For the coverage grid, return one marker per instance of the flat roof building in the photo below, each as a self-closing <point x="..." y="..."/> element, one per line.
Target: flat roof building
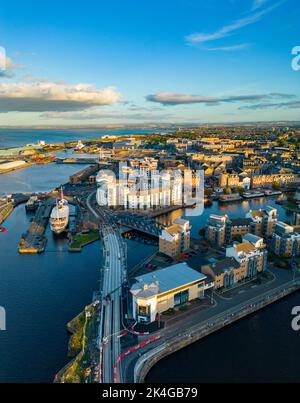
<point x="165" y="289"/>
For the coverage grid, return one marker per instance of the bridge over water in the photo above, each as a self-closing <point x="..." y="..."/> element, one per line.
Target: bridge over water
<point x="140" y="223"/>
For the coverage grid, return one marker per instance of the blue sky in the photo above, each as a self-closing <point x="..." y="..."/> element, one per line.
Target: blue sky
<point x="100" y="62"/>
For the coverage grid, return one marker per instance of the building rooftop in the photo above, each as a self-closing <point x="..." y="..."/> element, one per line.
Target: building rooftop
<point x="240" y="222"/>
<point x="251" y="238"/>
<point x="181" y="221"/>
<point x="224" y="265"/>
<point x="245" y="247"/>
<point x="256" y="213"/>
<point x="165" y="280"/>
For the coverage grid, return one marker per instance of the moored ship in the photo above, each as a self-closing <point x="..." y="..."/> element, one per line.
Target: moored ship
<point x="32" y="204"/>
<point x="59" y="218"/>
<point x="230" y="198"/>
<point x="273" y="193"/>
<point x="252" y="195"/>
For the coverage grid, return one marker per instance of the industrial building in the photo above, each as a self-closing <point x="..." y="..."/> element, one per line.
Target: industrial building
<point x="11" y="165"/>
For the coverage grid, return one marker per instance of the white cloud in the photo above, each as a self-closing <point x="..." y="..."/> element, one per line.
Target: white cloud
<point x="50" y="96"/>
<point x="258" y="3"/>
<point x="169" y="98"/>
<point x="229" y="48"/>
<point x="226" y="30"/>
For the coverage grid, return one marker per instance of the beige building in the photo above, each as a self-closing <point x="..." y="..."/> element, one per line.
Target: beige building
<point x="263" y="221"/>
<point x="286" y="240"/>
<point x="174" y="286"/>
<point x="251" y="254"/>
<point x="225" y="273"/>
<point x="175" y="239"/>
<point x="215" y="231"/>
<point x="282" y="179"/>
<point x="257" y="181"/>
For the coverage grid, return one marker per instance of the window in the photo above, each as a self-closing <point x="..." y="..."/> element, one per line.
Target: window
<point x="181" y="298"/>
<point x="144" y="310"/>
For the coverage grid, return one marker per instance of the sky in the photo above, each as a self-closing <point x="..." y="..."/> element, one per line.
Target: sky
<point x="99" y="62"/>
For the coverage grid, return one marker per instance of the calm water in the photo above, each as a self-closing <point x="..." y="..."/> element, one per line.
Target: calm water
<point x="261" y="348"/>
<point x="16" y="138"/>
<point x="42" y="293"/>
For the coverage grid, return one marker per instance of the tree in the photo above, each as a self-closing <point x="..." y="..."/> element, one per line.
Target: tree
<point x="237" y="238"/>
<point x="208" y="192"/>
<point x="276" y="185"/>
<point x="240" y="190"/>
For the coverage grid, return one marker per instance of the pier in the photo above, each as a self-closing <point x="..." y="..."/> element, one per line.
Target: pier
<point x="5" y="211"/>
<point x="77" y="161"/>
<point x="34" y="241"/>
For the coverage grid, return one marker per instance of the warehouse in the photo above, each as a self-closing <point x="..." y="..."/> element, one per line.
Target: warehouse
<point x="10" y="165"/>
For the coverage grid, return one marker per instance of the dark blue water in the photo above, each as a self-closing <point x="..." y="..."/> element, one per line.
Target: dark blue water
<point x="41" y="293"/>
<point x="261" y="348"/>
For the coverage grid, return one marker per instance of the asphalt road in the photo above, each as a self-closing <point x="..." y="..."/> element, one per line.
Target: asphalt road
<point x="113" y="276"/>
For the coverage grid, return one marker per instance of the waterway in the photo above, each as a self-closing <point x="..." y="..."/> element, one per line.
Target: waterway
<point x="259" y="348"/>
<point x="41" y="293"/>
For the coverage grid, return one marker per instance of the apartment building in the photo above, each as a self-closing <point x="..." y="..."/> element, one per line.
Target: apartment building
<point x="251" y="255"/>
<point x="215" y="231"/>
<point x="175" y="240"/>
<point x="234" y="181"/>
<point x="221" y="230"/>
<point x="268" y="180"/>
<point x="139" y="191"/>
<point x="263" y="221"/>
<point x="225" y="273"/>
<point x="258" y="181"/>
<point x="286" y="240"/>
<point x="242" y="261"/>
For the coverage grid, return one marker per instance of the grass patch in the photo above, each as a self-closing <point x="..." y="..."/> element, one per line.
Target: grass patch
<point x="80" y="240"/>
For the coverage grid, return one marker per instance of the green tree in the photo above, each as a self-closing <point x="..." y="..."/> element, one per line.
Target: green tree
<point x="240" y="190"/>
<point x="276" y="185"/>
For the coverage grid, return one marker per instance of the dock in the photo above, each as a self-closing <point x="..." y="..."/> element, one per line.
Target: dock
<point x="5" y="210"/>
<point x="77" y="161"/>
<point x="34" y="241"/>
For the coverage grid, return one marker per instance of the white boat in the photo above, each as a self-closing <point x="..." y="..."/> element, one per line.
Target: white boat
<point x="59" y="218"/>
<point x="251" y="195"/>
<point x="273" y="193"/>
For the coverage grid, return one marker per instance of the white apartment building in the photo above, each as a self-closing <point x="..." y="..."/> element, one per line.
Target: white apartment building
<point x="139" y="191"/>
